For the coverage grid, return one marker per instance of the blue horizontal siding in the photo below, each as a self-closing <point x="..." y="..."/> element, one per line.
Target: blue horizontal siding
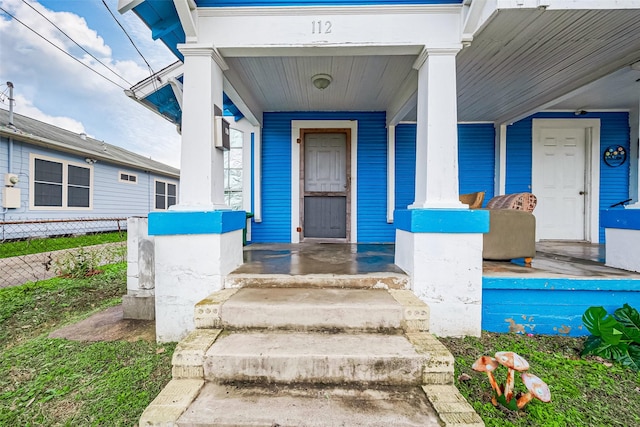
<point x="476" y="158"/>
<point x="551" y="305"/>
<point x="614" y="130"/>
<point x="475" y="161"/>
<point x="405" y="165"/>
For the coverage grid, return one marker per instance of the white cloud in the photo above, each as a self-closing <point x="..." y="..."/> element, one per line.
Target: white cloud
<point x="25" y="107"/>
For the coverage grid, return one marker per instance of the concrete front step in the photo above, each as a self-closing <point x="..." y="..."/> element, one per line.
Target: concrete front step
<point x="305" y="309"/>
<point x="196" y="403"/>
<point x="354" y="281"/>
<point x="323" y="359"/>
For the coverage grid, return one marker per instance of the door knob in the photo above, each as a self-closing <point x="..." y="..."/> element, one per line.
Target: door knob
<point x="582" y="193"/>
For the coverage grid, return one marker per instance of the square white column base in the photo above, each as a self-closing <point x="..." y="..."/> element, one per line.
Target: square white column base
<point x="188" y="269"/>
<point x="446" y="273"/>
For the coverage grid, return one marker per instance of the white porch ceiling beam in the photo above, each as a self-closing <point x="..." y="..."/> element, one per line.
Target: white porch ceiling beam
<point x="477" y="14"/>
<point x="242" y="98"/>
<point x="187" y="10"/>
<point x="176" y="86"/>
<point x="127" y="5"/>
<point x="404" y="101"/>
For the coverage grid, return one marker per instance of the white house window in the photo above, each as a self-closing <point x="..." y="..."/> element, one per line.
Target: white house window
<point x="233" y="171"/>
<point x="166" y="194"/>
<point x="60" y="184"/>
<point x="128" y="177"/>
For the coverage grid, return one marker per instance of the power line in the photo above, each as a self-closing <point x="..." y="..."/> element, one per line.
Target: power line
<point x="60" y="49"/>
<point x="77" y="44"/>
<point x="128" y="36"/>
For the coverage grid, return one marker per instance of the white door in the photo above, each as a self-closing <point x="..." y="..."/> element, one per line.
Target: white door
<point x="558" y="182"/>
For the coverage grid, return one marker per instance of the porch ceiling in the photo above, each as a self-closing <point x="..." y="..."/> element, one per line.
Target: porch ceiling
<point x="524" y="60"/>
<point x="360" y="83"/>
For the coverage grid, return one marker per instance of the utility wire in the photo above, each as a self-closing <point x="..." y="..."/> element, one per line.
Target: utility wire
<point x="77" y="44"/>
<point x="128" y="36"/>
<point x="60" y="49"/>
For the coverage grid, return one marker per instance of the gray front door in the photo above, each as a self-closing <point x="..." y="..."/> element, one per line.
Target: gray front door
<point x="325" y="179"/>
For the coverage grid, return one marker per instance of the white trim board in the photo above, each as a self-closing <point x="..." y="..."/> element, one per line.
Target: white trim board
<point x="296" y="125"/>
<point x="592" y="166"/>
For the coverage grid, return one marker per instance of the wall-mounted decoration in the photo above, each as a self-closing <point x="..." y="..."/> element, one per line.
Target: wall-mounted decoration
<point x="614" y="155"/>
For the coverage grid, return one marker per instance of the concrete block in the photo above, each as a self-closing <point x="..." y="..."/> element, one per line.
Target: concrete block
<point x="415" y="313"/>
<point x="139" y="307"/>
<point x="207" y="311"/>
<point x="452" y="407"/>
<point x="172" y="401"/>
<point x="188" y="357"/>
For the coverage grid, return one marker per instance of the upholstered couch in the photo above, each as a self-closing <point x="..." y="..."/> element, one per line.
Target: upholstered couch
<point x="512" y="228"/>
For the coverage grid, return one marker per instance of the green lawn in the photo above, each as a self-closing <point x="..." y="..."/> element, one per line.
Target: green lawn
<point x="34" y="246"/>
<point x="60" y="382"/>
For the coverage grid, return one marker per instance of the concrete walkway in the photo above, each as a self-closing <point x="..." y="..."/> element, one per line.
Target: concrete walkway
<point x="32" y="268"/>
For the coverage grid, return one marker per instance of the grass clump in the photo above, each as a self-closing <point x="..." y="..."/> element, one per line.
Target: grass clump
<point x="584" y="392"/>
<point x="46" y="381"/>
<point x="36" y="246"/>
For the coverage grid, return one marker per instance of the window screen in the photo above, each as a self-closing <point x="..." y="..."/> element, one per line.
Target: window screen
<point x="47" y="183"/>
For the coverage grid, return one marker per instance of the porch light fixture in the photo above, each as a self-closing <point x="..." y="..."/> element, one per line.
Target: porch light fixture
<point x="321" y="81"/>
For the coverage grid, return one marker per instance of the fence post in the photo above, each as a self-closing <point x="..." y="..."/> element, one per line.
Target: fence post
<point x="139" y="303"/>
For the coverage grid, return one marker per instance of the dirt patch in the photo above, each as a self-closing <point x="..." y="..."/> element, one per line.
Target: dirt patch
<point x="108" y="325"/>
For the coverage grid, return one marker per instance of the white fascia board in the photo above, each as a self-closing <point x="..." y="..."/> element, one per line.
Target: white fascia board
<point x="234" y="29"/>
<point x="126" y="5"/>
<point x="158" y="80"/>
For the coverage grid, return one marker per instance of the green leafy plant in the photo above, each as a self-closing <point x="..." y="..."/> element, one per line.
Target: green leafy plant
<point x="77" y="263"/>
<point x="614" y="337"/>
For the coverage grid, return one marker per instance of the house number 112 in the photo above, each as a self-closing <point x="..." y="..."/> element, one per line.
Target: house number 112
<point x="320" y="27"/>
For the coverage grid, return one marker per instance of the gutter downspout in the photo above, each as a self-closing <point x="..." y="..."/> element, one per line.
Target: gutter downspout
<point x="10" y="125"/>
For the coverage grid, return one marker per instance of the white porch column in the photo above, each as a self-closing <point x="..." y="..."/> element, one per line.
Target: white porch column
<point x="201" y="164"/>
<point x="438" y="239"/>
<point x="437" y="130"/>
<point x="634" y="158"/>
<point x="199" y="240"/>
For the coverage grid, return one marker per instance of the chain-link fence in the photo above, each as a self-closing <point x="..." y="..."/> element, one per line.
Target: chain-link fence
<point x="32" y="250"/>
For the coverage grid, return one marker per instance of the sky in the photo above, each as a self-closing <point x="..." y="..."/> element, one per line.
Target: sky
<point x="54" y="88"/>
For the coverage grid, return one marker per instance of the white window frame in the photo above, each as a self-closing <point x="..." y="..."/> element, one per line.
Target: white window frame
<point x="129" y="174"/>
<point x="65" y="183"/>
<point x="153" y="193"/>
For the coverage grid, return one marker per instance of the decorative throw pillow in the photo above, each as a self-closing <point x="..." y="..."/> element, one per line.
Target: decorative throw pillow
<point x="518" y="201"/>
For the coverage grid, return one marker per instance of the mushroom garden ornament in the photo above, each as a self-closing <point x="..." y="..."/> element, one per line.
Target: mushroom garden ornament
<point x="536" y="388"/>
<point x="513" y="362"/>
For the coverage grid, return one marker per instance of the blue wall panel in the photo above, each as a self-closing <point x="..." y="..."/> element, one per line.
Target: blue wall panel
<point x="550" y="305"/>
<point x="405" y="165"/>
<point x="476" y="158"/>
<point x="276" y="175"/>
<point x="614" y="130"/>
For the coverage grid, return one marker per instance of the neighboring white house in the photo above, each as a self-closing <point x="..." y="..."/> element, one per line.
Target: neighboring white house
<point x="378" y="113"/>
<point x="51" y="173"/>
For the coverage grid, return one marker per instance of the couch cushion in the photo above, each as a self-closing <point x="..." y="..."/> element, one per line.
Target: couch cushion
<point x="518" y="201"/>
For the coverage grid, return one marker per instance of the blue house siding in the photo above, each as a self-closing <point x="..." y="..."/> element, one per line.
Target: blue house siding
<point x="614" y="130"/>
<point x="475" y="160"/>
<point x="111" y="198"/>
<point x="276" y="175"/>
<point x="405" y="165"/>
